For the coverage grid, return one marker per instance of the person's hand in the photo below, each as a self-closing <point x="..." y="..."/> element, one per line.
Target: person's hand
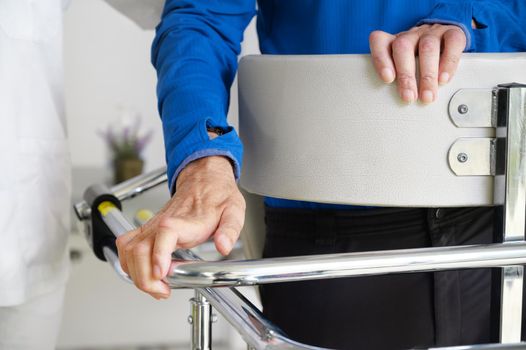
<point x="207" y="202"/>
<point x="436" y="49"/>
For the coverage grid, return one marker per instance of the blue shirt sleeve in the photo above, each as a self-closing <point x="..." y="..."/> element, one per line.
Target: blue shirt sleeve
<point x="195" y="54"/>
<point x="501" y="23"/>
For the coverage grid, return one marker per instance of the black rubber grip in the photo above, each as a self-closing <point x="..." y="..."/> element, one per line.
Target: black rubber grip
<point x="101" y="235"/>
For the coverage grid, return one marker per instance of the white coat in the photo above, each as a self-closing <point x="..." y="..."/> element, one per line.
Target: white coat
<point x="34" y="161"/>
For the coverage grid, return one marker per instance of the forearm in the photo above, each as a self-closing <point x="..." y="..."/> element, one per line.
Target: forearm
<point x="195" y="54"/>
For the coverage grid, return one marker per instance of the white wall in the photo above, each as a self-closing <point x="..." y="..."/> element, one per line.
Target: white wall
<point x="107" y="67"/>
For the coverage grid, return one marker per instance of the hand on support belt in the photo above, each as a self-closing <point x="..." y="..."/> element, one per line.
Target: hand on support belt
<point x="439" y="48"/>
<point x="207" y="202"/>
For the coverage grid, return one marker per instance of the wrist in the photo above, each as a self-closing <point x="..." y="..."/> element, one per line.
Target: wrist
<point x="207" y="166"/>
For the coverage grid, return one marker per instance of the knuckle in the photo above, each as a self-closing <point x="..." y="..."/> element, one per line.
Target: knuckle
<point x="405" y="79"/>
<point x="239" y="202"/>
<point x="141" y="249"/>
<point x="128" y="250"/>
<point x="157" y="254"/>
<point x="428" y="44"/>
<point x="378" y="59"/>
<point x="233" y="226"/>
<point x="236" y="228"/>
<point x="242" y="203"/>
<point x="376" y="35"/>
<point x="167" y="222"/>
<point x="428" y="78"/>
<point x="119" y="242"/>
<point x="455" y="34"/>
<point x="402" y="43"/>
<point x="142" y="285"/>
<point x="451" y="59"/>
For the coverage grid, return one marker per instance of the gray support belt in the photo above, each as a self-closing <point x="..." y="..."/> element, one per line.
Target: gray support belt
<point x="326" y="129"/>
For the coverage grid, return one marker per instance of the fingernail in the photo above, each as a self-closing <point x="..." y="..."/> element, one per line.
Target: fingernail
<point x="224" y="242"/>
<point x="387" y="75"/>
<point x="157" y="272"/>
<point x="408" y="96"/>
<point x="427" y="96"/>
<point x="444" y="78"/>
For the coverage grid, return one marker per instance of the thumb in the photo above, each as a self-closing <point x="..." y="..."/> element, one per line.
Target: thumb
<point x="229" y="228"/>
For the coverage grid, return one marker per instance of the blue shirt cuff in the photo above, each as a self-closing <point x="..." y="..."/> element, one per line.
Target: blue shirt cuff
<point x="188" y="142"/>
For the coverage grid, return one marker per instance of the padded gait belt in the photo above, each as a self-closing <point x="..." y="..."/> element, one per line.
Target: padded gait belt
<point x="335" y="133"/>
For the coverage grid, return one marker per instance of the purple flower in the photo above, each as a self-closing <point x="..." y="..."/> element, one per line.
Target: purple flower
<point x="126" y="142"/>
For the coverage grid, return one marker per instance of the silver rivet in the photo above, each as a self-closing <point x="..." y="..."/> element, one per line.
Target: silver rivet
<point x="463" y="109"/>
<point x="462" y="157"/>
<point x="190" y="319"/>
<point x="214" y="318"/>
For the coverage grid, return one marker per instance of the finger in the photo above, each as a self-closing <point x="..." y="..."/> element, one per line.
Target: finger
<point x="164" y="245"/>
<point x="122" y="243"/>
<point x="428" y="60"/>
<point x="454" y="45"/>
<point x="174" y="233"/>
<point x="142" y="263"/>
<point x="133" y="275"/>
<point x="404" y="47"/>
<point x="380" y="44"/>
<point x="229" y="228"/>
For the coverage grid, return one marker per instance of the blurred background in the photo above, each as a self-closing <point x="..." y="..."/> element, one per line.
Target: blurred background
<point x="110" y="94"/>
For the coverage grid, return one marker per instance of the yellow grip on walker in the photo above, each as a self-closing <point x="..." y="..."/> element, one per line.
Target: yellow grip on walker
<point x="105" y="207"/>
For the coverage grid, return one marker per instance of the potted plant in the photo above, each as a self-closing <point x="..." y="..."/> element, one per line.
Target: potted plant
<point x="126" y="145"/>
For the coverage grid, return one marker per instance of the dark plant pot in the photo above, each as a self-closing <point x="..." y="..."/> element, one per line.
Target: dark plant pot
<point x="126" y="168"/>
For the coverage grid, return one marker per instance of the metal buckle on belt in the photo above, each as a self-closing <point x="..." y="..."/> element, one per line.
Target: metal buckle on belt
<point x="495" y="108"/>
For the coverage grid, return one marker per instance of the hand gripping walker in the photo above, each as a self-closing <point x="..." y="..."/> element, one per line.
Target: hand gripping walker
<point x="321" y="128"/>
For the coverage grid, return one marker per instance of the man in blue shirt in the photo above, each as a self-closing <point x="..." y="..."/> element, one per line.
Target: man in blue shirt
<point x="195" y="53"/>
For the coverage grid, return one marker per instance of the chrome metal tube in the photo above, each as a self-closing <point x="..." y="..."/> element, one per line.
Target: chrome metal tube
<point x="127" y="189"/>
<point x="113" y="260"/>
<point x="255" y="272"/>
<point x="137" y="185"/>
<point x="117" y="222"/>
<point x="201" y="320"/>
<point x="514" y="211"/>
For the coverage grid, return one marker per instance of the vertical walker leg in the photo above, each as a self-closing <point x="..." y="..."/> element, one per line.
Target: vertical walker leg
<point x="511" y="306"/>
<point x="201" y="321"/>
<point x="513" y="121"/>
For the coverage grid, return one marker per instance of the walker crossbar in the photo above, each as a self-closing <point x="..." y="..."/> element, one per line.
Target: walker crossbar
<point x="101" y="209"/>
<point x="190" y="272"/>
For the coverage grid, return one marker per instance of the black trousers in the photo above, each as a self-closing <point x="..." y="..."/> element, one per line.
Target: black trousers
<point x="384" y="312"/>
